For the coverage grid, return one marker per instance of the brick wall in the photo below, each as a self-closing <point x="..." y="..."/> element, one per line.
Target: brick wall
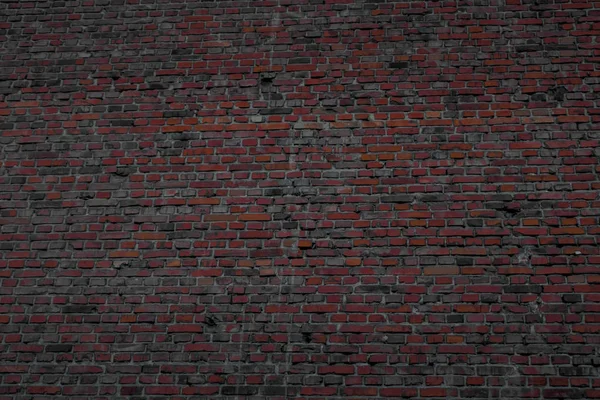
<point x="299" y="199"/>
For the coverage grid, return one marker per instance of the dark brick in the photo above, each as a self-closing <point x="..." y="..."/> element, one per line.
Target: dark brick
<point x="79" y="309"/>
<point x="401" y="198"/>
<point x="523" y="289"/>
<point x="59" y="348"/>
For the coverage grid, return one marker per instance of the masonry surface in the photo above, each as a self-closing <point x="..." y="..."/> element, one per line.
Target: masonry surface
<point x="299" y="199"/>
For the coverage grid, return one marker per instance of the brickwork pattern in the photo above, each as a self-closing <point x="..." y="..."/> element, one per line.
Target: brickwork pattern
<point x="302" y="199"/>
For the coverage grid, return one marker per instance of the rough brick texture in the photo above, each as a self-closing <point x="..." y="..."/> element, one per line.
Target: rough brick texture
<point x="299" y="199"/>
